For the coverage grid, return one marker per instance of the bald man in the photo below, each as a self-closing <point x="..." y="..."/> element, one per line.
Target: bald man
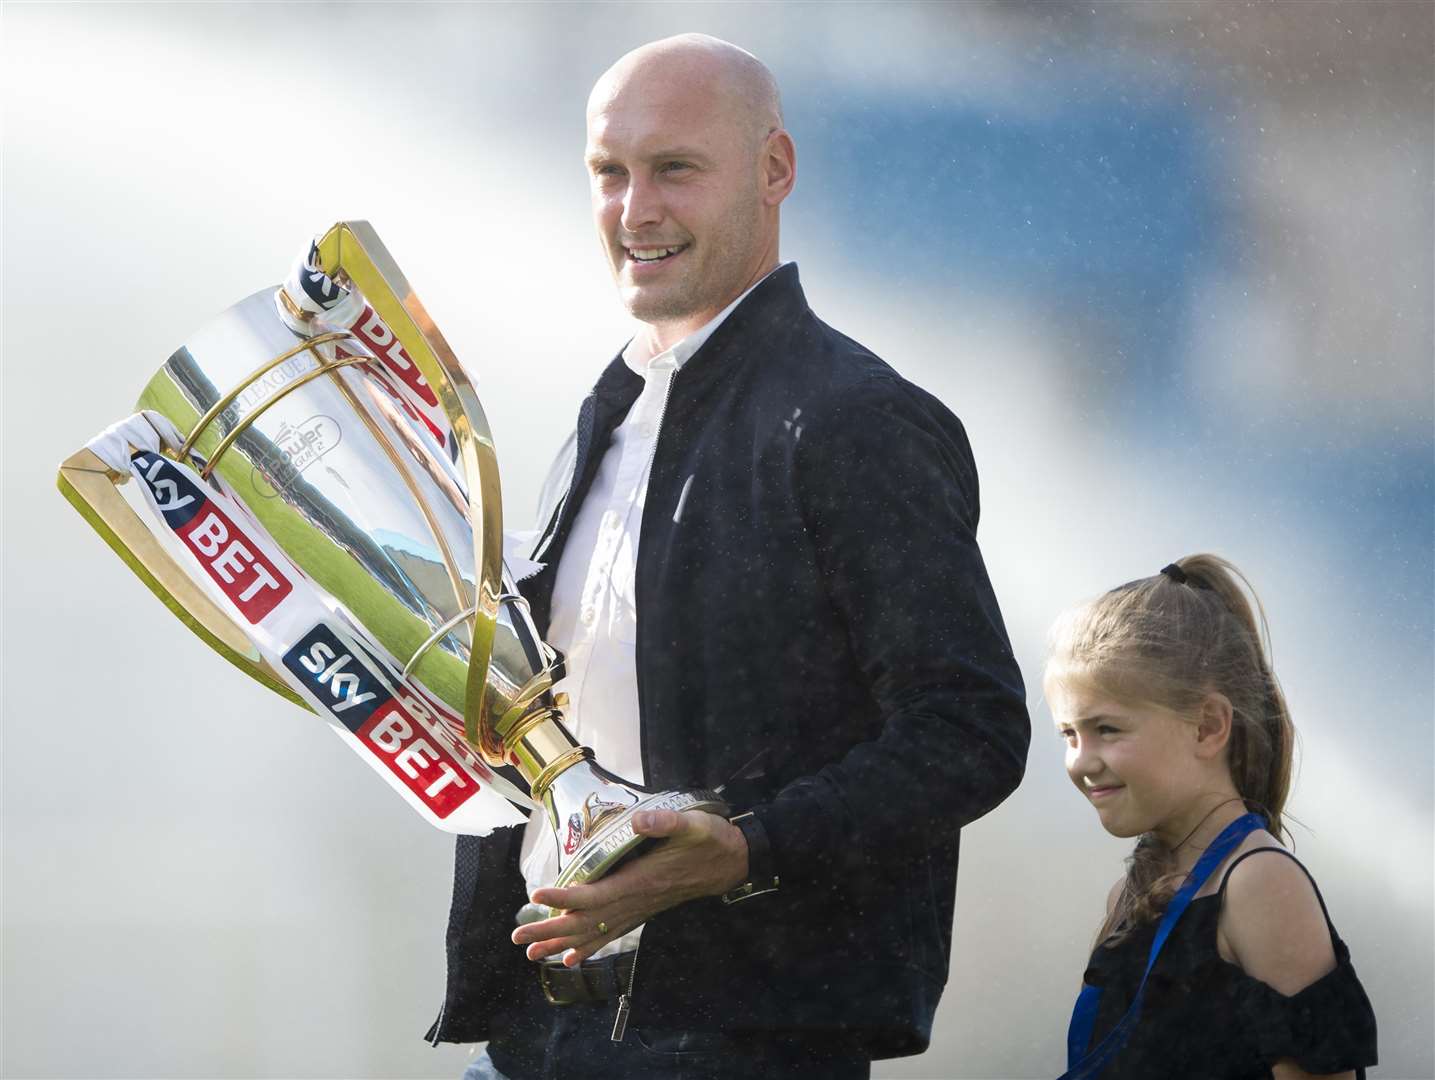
<point x="760" y="563"/>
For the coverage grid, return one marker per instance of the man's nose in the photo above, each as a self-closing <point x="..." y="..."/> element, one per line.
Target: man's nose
<point x="642" y="204"/>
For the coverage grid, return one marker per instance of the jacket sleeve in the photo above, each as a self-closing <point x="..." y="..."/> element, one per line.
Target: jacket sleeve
<point x="888" y="492"/>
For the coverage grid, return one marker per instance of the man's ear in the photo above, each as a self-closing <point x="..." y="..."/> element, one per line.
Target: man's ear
<point x="1213" y="726"/>
<point x="779" y="167"/>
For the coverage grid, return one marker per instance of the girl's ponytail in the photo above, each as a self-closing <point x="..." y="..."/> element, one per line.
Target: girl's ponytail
<point x="1263" y="748"/>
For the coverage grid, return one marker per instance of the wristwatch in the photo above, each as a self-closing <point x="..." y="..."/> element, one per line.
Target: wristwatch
<point x="761" y="874"/>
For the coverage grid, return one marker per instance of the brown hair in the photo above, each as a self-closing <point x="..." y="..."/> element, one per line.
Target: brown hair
<point x="1169" y="640"/>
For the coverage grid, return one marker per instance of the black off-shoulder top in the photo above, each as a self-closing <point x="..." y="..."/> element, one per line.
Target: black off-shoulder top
<point x="1203" y="1018"/>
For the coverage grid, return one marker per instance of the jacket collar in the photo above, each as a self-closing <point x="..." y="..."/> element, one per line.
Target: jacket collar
<point x="774" y="303"/>
<point x="771" y="309"/>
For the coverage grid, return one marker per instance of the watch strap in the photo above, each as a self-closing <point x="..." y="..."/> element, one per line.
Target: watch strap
<point x="761" y="873"/>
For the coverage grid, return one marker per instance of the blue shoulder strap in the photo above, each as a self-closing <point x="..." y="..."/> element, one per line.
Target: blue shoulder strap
<point x="1086" y="1064"/>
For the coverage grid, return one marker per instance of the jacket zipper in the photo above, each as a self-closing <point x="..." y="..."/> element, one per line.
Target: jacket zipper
<point x="625" y="999"/>
<point x="637" y="579"/>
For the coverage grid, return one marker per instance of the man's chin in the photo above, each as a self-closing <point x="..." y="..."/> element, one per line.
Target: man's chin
<point x="653" y="305"/>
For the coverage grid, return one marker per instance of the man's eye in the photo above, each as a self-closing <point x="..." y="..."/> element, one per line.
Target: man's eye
<point x="675" y="166"/>
<point x="608" y="170"/>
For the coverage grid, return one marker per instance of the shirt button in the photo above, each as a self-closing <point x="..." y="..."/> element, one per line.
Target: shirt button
<point x="587" y="615"/>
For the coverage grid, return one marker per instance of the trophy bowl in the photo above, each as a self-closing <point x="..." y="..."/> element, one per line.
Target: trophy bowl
<point x="332" y="525"/>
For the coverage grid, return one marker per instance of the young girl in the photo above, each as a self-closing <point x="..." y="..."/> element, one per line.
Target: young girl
<point x="1178" y="734"/>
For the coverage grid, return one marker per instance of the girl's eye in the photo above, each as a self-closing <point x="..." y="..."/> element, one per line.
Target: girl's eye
<point x="1067" y="733"/>
<point x="1107" y="729"/>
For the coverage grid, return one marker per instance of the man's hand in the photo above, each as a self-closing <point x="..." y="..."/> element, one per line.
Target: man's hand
<point x="700" y="855"/>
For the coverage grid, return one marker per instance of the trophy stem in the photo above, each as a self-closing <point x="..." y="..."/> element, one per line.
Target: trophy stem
<point x="541" y="748"/>
<point x="555" y="768"/>
<point x="590" y="809"/>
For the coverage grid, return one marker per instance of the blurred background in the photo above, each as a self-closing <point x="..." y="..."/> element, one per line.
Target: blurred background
<point x="1170" y="262"/>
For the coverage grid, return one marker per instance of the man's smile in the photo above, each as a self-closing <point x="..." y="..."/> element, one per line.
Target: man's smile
<point x="653" y="254"/>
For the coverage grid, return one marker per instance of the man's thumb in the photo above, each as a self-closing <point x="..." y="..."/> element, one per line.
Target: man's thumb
<point x="657" y="822"/>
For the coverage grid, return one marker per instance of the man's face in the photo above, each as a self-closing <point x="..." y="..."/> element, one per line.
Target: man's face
<point x="675" y="186"/>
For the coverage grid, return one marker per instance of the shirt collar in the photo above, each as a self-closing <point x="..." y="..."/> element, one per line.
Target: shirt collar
<point x="676" y="355"/>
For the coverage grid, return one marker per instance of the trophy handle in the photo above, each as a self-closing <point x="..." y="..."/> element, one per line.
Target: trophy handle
<point x="92" y="488"/>
<point x="353" y="249"/>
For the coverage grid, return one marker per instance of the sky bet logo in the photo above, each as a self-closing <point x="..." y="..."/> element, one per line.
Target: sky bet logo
<point x="371" y="330"/>
<point x="247" y="577"/>
<point x="361" y="702"/>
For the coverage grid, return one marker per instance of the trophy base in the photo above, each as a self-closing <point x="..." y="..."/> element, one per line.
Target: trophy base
<point x="616" y="840"/>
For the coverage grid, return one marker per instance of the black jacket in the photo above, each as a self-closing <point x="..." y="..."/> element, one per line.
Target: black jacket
<point x="808" y="584"/>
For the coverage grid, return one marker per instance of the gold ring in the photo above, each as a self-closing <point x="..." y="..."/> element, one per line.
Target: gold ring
<point x="602" y="927"/>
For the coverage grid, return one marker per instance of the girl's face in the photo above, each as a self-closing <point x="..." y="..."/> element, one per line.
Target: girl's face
<point x="1135" y="764"/>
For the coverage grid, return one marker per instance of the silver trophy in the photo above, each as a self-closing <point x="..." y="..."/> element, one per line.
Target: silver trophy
<point x="361" y="453"/>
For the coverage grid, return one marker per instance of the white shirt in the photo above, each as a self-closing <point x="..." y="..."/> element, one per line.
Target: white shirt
<point x="594" y="614"/>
